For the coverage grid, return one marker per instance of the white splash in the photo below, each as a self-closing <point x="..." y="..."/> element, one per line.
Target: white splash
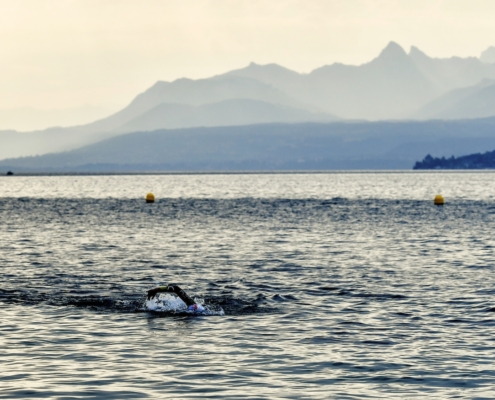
<point x="168" y="303"/>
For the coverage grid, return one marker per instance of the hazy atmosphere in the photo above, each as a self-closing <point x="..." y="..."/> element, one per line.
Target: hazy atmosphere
<point x="226" y="199"/>
<point x="59" y="54"/>
<point x="99" y="74"/>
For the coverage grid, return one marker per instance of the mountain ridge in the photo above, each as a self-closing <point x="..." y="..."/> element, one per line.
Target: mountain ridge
<point x="271" y="147"/>
<point x="224" y="113"/>
<point x="394" y="85"/>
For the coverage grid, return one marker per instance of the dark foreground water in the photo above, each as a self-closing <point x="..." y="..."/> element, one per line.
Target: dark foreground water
<point x="322" y="286"/>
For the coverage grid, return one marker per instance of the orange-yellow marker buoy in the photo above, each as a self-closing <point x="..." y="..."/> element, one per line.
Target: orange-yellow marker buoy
<point x="439" y="200"/>
<point x="150" y="198"/>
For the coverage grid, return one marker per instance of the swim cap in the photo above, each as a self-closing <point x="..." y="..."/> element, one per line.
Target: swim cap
<point x="196" y="308"/>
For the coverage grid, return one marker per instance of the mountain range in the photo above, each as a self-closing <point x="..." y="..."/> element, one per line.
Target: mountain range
<point x="295" y="146"/>
<point x="394" y="86"/>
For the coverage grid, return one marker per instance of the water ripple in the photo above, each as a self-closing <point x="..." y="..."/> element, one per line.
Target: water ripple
<point x="336" y="297"/>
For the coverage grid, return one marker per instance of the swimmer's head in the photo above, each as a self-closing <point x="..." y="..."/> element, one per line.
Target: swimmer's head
<point x="198" y="308"/>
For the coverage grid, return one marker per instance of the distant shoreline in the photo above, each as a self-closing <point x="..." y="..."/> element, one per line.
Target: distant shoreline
<point x="309" y="172"/>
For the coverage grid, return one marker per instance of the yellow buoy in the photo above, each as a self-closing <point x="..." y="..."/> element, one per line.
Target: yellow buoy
<point x="150" y="198"/>
<point x="439" y="200"/>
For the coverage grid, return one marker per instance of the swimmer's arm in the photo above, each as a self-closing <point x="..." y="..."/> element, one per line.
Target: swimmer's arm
<point x="174" y="289"/>
<point x="182" y="295"/>
<point x="153" y="292"/>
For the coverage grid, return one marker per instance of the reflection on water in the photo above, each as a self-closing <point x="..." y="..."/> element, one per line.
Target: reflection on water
<point x="331" y="286"/>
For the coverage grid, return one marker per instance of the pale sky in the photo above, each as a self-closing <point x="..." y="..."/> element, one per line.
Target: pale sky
<point x="65" y="53"/>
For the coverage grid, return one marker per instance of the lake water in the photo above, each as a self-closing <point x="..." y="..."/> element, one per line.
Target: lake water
<point x="340" y="285"/>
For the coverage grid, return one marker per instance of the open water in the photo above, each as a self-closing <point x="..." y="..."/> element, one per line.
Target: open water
<point x="318" y="286"/>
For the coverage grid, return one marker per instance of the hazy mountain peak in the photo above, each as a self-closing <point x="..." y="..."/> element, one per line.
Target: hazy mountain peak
<point x="262" y="69"/>
<point x="270" y="74"/>
<point x="393" y="50"/>
<point x="488" y="56"/>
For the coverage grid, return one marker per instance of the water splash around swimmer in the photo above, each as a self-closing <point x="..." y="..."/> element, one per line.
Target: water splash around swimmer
<point x="166" y="303"/>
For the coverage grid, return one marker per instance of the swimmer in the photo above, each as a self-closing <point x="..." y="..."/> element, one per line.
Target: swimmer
<point x="190" y="303"/>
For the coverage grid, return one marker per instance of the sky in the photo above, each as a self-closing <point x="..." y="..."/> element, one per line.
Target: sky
<point x="60" y="54"/>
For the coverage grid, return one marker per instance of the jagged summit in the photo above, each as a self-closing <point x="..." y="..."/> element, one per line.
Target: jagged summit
<point x="393" y="50"/>
<point x="393" y="57"/>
